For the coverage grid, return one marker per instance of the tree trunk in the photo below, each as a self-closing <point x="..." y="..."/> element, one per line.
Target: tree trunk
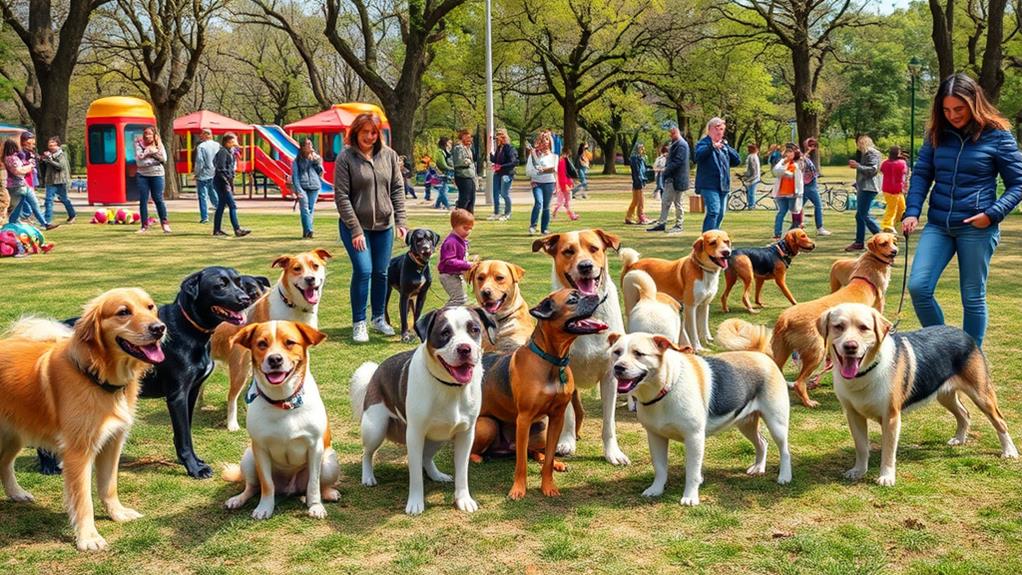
<point x="50" y="119"/>
<point x="943" y="27"/>
<point x="991" y="75"/>
<point x="608" y="148"/>
<point x="806" y="119"/>
<point x="570" y="122"/>
<point x="165" y="125"/>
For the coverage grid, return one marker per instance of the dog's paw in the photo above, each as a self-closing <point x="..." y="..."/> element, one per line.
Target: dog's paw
<point x="263" y="511"/>
<point x="517" y="492"/>
<point x="369" y="480"/>
<point x="233" y="426"/>
<point x="566" y="448"/>
<point x="466" y="504"/>
<point x="855" y="474"/>
<point x="886" y="480"/>
<point x="440" y="477"/>
<point x="91" y="541"/>
<point x="616" y="457"/>
<point x="21" y="496"/>
<point x="415" y="506"/>
<point x="811" y="404"/>
<point x="201" y="471"/>
<point x="1010" y="453"/>
<point x="330" y="495"/>
<point x="408" y="337"/>
<point x="234" y="502"/>
<point x="756" y="469"/>
<point x="784" y="478"/>
<point x="123" y="514"/>
<point x="955" y="441"/>
<point x="690" y="501"/>
<point x="317" y="511"/>
<point x="653" y="491"/>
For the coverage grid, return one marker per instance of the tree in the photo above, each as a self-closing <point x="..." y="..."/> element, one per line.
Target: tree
<point x="53" y="50"/>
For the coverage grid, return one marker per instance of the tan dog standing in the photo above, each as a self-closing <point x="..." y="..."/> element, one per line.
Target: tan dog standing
<point x="693" y="280"/>
<point x="73" y="392"/>
<point x="878" y="247"/>
<point x="496" y="287"/>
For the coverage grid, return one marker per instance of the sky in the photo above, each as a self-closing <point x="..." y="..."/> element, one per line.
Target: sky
<point x="888" y="6"/>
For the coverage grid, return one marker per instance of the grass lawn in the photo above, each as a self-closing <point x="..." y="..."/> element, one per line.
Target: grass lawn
<point x="952" y="511"/>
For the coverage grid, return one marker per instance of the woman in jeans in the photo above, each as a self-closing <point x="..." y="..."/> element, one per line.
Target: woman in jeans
<point x="149" y="158"/>
<point x="788" y="185"/>
<point x="464" y="166"/>
<point x="223" y="182"/>
<point x="56" y="178"/>
<point x="584" y="158"/>
<point x="810" y="179"/>
<point x="541" y="168"/>
<point x="504" y="160"/>
<point x="306" y="177"/>
<point x="967" y="145"/>
<point x="443" y="168"/>
<point x="370" y="198"/>
<point x="636" y="213"/>
<point x="867" y="186"/>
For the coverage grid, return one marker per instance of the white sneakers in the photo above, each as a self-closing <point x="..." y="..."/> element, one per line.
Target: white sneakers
<point x="380" y="324"/>
<point x="822" y="232"/>
<point x="359" y="333"/>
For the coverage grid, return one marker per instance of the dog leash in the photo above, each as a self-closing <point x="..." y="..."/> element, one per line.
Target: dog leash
<point x="904" y="285"/>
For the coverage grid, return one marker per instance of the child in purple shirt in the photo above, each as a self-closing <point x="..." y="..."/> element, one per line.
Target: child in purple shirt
<point x="454" y="256"/>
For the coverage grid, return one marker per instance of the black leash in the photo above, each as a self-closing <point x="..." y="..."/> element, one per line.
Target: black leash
<point x="904" y="285"/>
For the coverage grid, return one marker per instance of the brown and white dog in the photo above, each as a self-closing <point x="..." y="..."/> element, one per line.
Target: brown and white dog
<point x="693" y="280"/>
<point x="295" y="298"/>
<point x="287" y="423"/>
<point x="497" y="289"/>
<point x="795" y="330"/>
<point x="762" y="264"/>
<point x="878" y="375"/>
<point x="74" y="393"/>
<point x="580" y="262"/>
<point x="878" y="247"/>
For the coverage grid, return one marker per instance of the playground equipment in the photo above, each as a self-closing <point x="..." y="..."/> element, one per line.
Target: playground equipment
<point x="111" y="126"/>
<point x="276" y="164"/>
<point x="187" y="128"/>
<point x="10" y="131"/>
<point x="329" y="127"/>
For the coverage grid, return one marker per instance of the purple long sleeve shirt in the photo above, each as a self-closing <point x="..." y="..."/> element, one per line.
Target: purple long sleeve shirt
<point x="453" y="254"/>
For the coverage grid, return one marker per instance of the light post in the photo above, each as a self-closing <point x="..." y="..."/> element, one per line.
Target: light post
<point x="914" y="67"/>
<point x="490" y="144"/>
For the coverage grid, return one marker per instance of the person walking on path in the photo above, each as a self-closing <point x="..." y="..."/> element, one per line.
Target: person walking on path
<point x="150" y="154"/>
<point x="658" y="173"/>
<point x="967" y="145"/>
<point x="895" y="184"/>
<point x="867" y="186"/>
<point x="464" y="171"/>
<point x="810" y="185"/>
<point x="714" y="160"/>
<point x="224" y="164"/>
<point x="675" y="181"/>
<point x="56" y="178"/>
<point x="444" y="173"/>
<point x="306" y="178"/>
<point x="370" y="198"/>
<point x="505" y="161"/>
<point x="788" y="185"/>
<point x="541" y="167"/>
<point x="637" y="208"/>
<point x="584" y="158"/>
<point x="752" y="176"/>
<point x="565" y="183"/>
<point x="22" y="197"/>
<point x="204" y="172"/>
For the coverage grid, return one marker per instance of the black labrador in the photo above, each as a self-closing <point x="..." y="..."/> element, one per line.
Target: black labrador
<point x="207" y="298"/>
<point x="409" y="274"/>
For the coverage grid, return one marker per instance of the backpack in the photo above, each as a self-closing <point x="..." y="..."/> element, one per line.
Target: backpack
<point x="569" y="169"/>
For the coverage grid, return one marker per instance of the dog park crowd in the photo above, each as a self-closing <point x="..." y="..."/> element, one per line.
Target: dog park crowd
<point x="499" y="376"/>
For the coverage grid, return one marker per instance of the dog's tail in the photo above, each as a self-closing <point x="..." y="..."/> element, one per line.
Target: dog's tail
<point x="38" y="329"/>
<point x="628" y="258"/>
<point x="358" y="387"/>
<point x="637" y="286"/>
<point x="739" y="335"/>
<point x="232" y="473"/>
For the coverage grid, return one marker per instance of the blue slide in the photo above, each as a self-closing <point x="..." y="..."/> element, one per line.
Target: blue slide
<point x="287" y="148"/>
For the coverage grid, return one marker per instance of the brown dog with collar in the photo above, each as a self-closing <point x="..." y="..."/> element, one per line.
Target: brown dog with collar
<point x="535" y="382"/>
<point x="496" y="287"/>
<point x="878" y="247"/>
<point x="764" y="264"/>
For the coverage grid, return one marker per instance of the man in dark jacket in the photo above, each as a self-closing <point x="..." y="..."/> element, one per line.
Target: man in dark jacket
<point x="504" y="160"/>
<point x="675" y="177"/>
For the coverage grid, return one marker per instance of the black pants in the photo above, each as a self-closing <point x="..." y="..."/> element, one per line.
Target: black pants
<point x="225" y="197"/>
<point x="466" y="193"/>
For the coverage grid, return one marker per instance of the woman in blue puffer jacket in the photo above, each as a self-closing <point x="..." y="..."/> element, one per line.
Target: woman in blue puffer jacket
<point x="968" y="143"/>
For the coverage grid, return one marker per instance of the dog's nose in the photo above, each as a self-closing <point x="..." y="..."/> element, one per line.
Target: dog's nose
<point x="586" y="267"/>
<point x="725" y="253"/>
<point x="851" y="347"/>
<point x="157" y="329"/>
<point x="275" y="360"/>
<point x="244" y="300"/>
<point x="310" y="280"/>
<point x="486" y="293"/>
<point x="464" y="350"/>
<point x="619" y="369"/>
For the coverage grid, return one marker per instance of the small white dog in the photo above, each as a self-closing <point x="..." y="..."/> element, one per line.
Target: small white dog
<point x="426" y="397"/>
<point x="686" y="397"/>
<point x="648" y="310"/>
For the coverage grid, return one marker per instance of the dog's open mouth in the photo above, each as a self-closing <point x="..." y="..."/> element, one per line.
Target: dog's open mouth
<point x="310" y="293"/>
<point x="626" y="385"/>
<point x="584" y="326"/>
<point x="229" y="315"/>
<point x="848" y="366"/>
<point x="461" y="373"/>
<point x="721" y="262"/>
<point x="586" y="285"/>
<point x="277" y="377"/>
<point x="491" y="306"/>
<point x="149" y="353"/>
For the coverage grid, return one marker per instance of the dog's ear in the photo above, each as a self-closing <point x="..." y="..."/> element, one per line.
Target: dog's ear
<point x="190" y="285"/>
<point x="489" y="325"/>
<point x="436" y="238"/>
<point x="517" y="272"/>
<point x="547" y="244"/>
<point x="408" y="237"/>
<point x="262" y="281"/>
<point x="88" y="328"/>
<point x="697" y="246"/>
<point x="470" y="275"/>
<point x="545" y="310"/>
<point x="244" y="336"/>
<point x="281" y="262"/>
<point x="663" y="344"/>
<point x="312" y="335"/>
<point x="612" y="337"/>
<point x="322" y="254"/>
<point x="823" y="324"/>
<point x="881" y="326"/>
<point x="612" y="241"/>
<point x="425" y="324"/>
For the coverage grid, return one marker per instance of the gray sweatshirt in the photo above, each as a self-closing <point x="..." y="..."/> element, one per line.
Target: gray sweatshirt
<point x="204" y="154"/>
<point x="150" y="163"/>
<point x="369" y="193"/>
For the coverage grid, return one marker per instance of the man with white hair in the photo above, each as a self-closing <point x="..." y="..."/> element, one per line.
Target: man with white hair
<point x="204" y="171"/>
<point x="675" y="177"/>
<point x="714" y="160"/>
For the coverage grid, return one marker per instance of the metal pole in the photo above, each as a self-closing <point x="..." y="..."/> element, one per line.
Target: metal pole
<point x="490" y="144"/>
<point x="912" y="126"/>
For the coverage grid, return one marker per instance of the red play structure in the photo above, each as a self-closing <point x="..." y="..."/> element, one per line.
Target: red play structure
<point x="187" y="128"/>
<point x="111" y="126"/>
<point x="329" y="127"/>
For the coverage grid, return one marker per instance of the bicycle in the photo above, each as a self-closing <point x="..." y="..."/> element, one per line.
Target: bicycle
<point x="834" y="197"/>
<point x="738" y="199"/>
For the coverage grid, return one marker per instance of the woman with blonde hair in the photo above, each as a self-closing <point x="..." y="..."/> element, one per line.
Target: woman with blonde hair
<point x="867" y="186"/>
<point x="541" y="167"/>
<point x="968" y="144"/>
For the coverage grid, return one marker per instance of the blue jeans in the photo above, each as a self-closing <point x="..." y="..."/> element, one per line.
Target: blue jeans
<point x="750" y="196"/>
<point x="57" y="191"/>
<point x="369" y="266"/>
<point x="29" y="204"/>
<point x="502" y="189"/>
<point x="541" y="196"/>
<point x="862" y="218"/>
<point x="150" y="185"/>
<point x="441" y="194"/>
<point x="660" y="182"/>
<point x="306" y="205"/>
<point x="784" y="205"/>
<point x="937" y="245"/>
<point x="812" y="196"/>
<point x="204" y="189"/>
<point x="583" y="177"/>
<point x="225" y="199"/>
<point x="715" y="202"/>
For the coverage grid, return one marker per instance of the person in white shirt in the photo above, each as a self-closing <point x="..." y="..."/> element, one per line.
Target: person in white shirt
<point x="541" y="168"/>
<point x="204" y="171"/>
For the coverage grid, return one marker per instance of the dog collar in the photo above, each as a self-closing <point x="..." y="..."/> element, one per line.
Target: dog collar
<point x="192" y="321"/>
<point x="294" y="401"/>
<point x="421" y="265"/>
<point x="705" y="269"/>
<point x="663" y="393"/>
<point x="868" y="369"/>
<point x="560" y="362"/>
<point x="511" y="313"/>
<point x="288" y="303"/>
<point x="94" y="378"/>
<point x="785" y="256"/>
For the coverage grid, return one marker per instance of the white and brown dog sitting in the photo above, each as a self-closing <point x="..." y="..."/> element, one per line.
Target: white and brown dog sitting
<point x="424" y="398"/>
<point x="878" y="375"/>
<point x="290" y="452"/>
<point x="295" y="298"/>
<point x="496" y="285"/>
<point x="686" y="397"/>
